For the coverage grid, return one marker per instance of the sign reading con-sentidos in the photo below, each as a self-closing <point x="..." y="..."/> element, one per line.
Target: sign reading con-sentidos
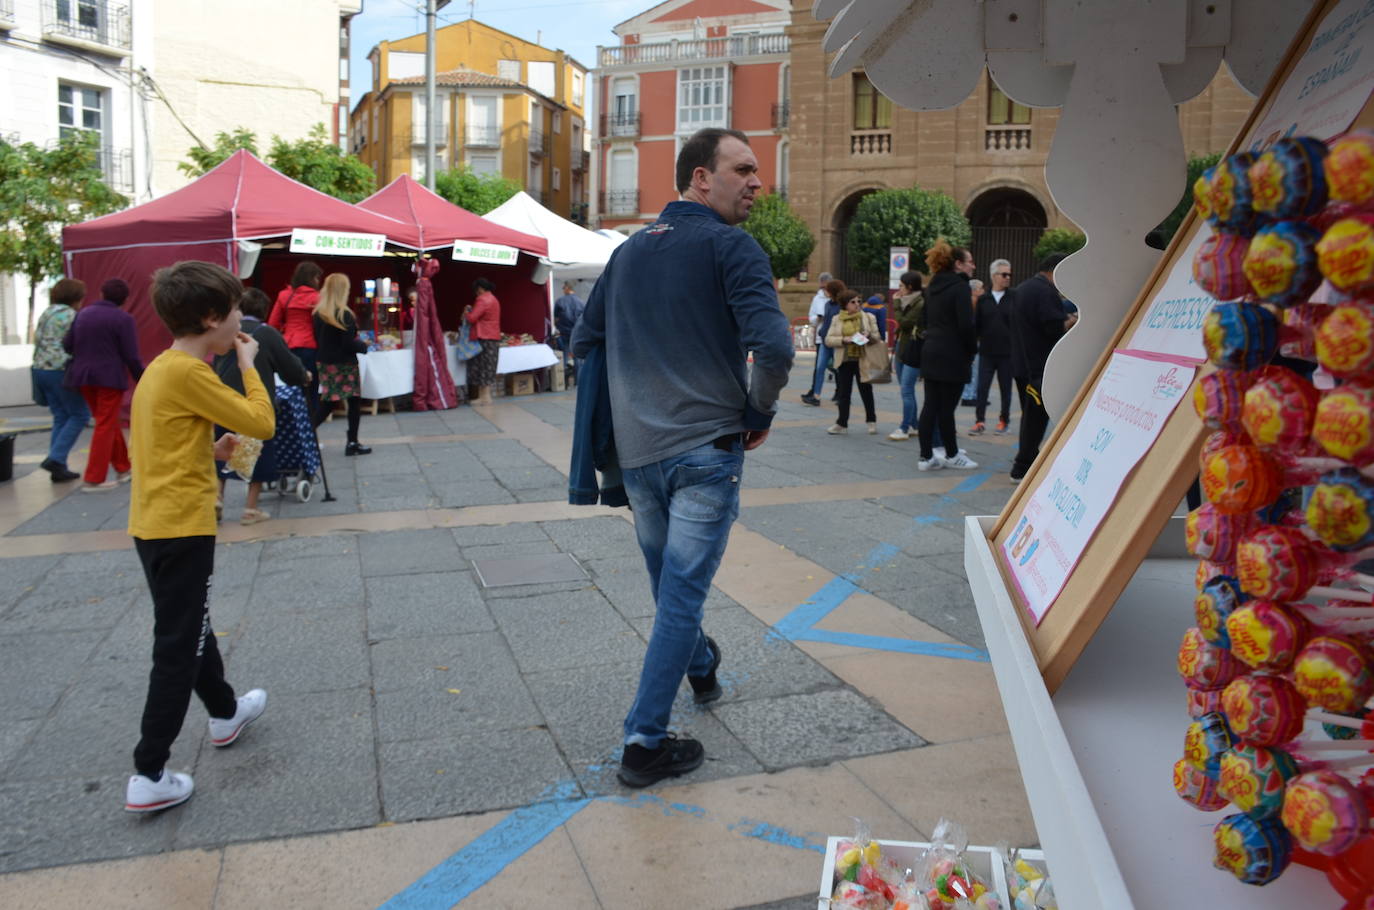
<point x="315" y="242"/>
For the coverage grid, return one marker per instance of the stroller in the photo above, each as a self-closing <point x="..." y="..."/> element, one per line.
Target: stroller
<point x="298" y="448"/>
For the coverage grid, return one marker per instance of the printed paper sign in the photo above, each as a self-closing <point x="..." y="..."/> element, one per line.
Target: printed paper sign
<point x="336" y="243"/>
<point x="898" y="263"/>
<point x="1173" y="321"/>
<point x="490" y="253"/>
<point x="1332" y="81"/>
<point x="1125" y="415"/>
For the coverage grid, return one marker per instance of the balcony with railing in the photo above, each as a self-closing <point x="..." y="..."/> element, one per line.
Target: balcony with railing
<point x="620" y="125"/>
<point x="732" y="47"/>
<point x="1007" y="138"/>
<point x="91" y="25"/>
<point x="118" y="167"/>
<point x="482" y="137"/>
<point x="541" y="144"/>
<point x="620" y="202"/>
<point x="782" y="114"/>
<point x="581" y="161"/>
<point x="867" y="143"/>
<point x="7" y="20"/>
<point x="418" y="136"/>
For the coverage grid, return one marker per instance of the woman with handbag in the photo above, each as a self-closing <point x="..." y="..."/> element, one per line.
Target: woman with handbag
<point x="850" y="333"/>
<point x="907" y="309"/>
<point x="336" y="334"/>
<point x="950" y="343"/>
<point x="294" y="316"/>
<point x="69" y="411"/>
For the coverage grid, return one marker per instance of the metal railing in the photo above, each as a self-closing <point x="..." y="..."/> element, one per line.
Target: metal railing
<point x="620" y="202"/>
<point x="1007" y="139"/>
<point x="782" y="114"/>
<point x="82" y="20"/>
<point x="541" y="143"/>
<point x="118" y="167"/>
<point x="732" y="47"/>
<point x="879" y="143"/>
<point x="482" y="137"/>
<point x="418" y="136"/>
<point x="620" y="124"/>
<point x="581" y="161"/>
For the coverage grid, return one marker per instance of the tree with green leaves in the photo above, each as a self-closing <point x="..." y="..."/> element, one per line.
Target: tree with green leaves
<point x="42" y="190"/>
<point x="783" y="236"/>
<point x="912" y="218"/>
<point x="314" y="161"/>
<point x="478" y="193"/>
<point x="1058" y="240"/>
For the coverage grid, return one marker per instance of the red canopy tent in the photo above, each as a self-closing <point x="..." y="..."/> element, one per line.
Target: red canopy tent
<point x="241" y="199"/>
<point x="433" y="223"/>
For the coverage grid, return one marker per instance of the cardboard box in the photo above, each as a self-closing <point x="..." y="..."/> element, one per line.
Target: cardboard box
<point x="520" y="384"/>
<point x="985" y="862"/>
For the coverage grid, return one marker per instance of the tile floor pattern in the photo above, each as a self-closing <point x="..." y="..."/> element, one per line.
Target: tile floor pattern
<point x="412" y="709"/>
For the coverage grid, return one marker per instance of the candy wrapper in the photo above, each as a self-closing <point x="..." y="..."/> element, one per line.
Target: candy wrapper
<point x="1254" y="851"/>
<point x="245" y="456"/>
<point x="1281" y="263"/>
<point x="1344" y="340"/>
<point x="1219" y="266"/>
<point x="853" y="896"/>
<point x="945" y="878"/>
<point x="1288" y="180"/>
<point x="860" y="861"/>
<point x="1228" y="199"/>
<point x="1341" y="510"/>
<point x="1345" y="254"/>
<point x="1350" y="168"/>
<point x="1324" y="812"/>
<point x="1029" y="887"/>
<point x="1333" y="674"/>
<point x="1240" y="336"/>
<point x="1263" y="710"/>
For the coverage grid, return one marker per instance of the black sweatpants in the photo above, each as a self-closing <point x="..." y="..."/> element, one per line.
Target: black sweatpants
<point x="185" y="656"/>
<point x="1035" y="420"/>
<point x="937" y="411"/>
<point x="845" y="374"/>
<point x="987" y="368"/>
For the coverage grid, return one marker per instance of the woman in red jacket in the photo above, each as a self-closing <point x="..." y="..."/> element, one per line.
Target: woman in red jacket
<point x="293" y="316"/>
<point x="484" y="314"/>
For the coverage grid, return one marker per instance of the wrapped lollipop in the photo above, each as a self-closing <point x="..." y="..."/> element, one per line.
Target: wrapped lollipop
<point x="1228" y="196"/>
<point x="1288" y="180"/>
<point x="1203" y="665"/>
<point x="1344" y="423"/>
<point x="1344" y="340"/>
<point x="1214" y="604"/>
<point x="1254" y="851"/>
<point x="1278" y="563"/>
<point x="1253" y="778"/>
<point x="1350" y="168"/>
<point x="1345" y="254"/>
<point x="1203" y="701"/>
<point x="1241" y="478"/>
<point x="1240" y="336"/>
<point x="1333" y="674"/>
<point x="1324" y="812"/>
<point x="1279" y="409"/>
<point x="1219" y="399"/>
<point x="1297" y="335"/>
<point x="1205" y="741"/>
<point x="1281" y="263"/>
<point x="1202" y="197"/>
<point x="1219" y="266"/>
<point x="1265" y="636"/>
<point x="1212" y="534"/>
<point x="1263" y="710"/>
<point x="1207" y="570"/>
<point x="1341" y="510"/>
<point x="1196" y="788"/>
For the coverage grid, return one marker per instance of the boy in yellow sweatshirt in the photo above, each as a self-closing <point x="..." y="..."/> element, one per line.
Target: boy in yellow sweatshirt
<point x="172" y="515"/>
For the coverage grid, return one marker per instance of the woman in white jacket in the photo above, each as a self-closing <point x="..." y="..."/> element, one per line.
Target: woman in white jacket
<point x="849" y="331"/>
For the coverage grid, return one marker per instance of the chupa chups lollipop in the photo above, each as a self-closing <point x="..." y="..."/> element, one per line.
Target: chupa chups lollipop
<point x="1341" y="510"/>
<point x="1324" y="812"/>
<point x="1350" y="168"/>
<point x="1203" y="701"/>
<point x="1345" y="254"/>
<point x="1217" y="600"/>
<point x="1240" y="336"/>
<point x="1333" y="674"/>
<point x="1288" y="179"/>
<point x="1240" y="478"/>
<point x="1202" y="197"/>
<point x="1344" y="423"/>
<point x="1229" y="193"/>
<point x="1215" y="442"/>
<point x="1196" y="788"/>
<point x="1203" y="665"/>
<point x="1265" y="636"/>
<point x="1263" y="710"/>
<point x="1344" y="340"/>
<point x="1345" y="726"/>
<point x="1219" y="266"/>
<point x="1281" y="263"/>
<point x="1205" y="741"/>
<point x="1279" y="408"/>
<point x="1207" y="570"/>
<point x="1254" y="851"/>
<point x="1253" y="778"/>
<point x="1219" y="399"/>
<point x="1212" y="534"/>
<point x="1297" y="335"/>
<point x="1280" y="563"/>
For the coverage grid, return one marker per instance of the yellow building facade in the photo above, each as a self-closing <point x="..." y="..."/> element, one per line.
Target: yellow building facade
<point x="505" y="105"/>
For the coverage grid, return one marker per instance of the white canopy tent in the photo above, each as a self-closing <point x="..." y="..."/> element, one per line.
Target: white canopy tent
<point x="574" y="252"/>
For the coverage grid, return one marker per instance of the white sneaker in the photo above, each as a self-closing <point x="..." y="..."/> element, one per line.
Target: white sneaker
<point x="898" y="435"/>
<point x="932" y="463"/>
<point x="960" y="461"/>
<point x="147" y="795"/>
<point x="837" y="430"/>
<point x="872" y="429"/>
<point x="223" y="732"/>
<point x="124" y="476"/>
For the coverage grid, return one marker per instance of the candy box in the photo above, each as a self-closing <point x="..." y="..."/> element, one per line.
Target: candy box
<point x="985" y="862"/>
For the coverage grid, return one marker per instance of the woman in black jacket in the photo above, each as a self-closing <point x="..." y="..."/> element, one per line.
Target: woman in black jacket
<point x="951" y="340"/>
<point x="336" y="353"/>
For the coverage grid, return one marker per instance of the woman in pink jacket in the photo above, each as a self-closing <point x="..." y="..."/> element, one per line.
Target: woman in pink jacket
<point x="484" y="314"/>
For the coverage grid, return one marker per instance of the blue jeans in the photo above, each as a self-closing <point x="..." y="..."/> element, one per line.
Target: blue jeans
<point x="823" y="355"/>
<point x="69" y="413"/>
<point x="907" y="377"/>
<point x="683" y="507"/>
<point x="970" y="392"/>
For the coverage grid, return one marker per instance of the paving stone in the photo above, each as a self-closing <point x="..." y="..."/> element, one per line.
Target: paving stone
<point x="409" y="552"/>
<point x="308" y="584"/>
<point x="525" y="592"/>
<point x="509" y="550"/>
<point x="557" y="493"/>
<point x="594" y="538"/>
<point x="484" y="535"/>
<point x="277" y="781"/>
<point x="20" y="572"/>
<point x="116" y="564"/>
<point x="529" y="477"/>
<point x="411" y="501"/>
<point x="411" y="486"/>
<point x="301" y="651"/>
<point x="291" y="549"/>
<point x="439" y="603"/>
<point x="88" y="609"/>
<point x="392" y="460"/>
<point x="443" y="473"/>
<point x="37" y="667"/>
<point x="499" y="454"/>
<point x="815" y="728"/>
<point x="455" y="775"/>
<point x="77" y="512"/>
<point x="14" y="734"/>
<point x="624" y="582"/>
<point x="558" y="631"/>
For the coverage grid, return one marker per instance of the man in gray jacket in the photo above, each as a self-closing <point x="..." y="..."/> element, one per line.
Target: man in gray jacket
<point x="679" y="308"/>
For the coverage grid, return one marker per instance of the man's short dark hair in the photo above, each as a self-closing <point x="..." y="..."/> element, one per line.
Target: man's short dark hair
<point x="702" y="150"/>
<point x="482" y="284"/>
<point x="188" y="293"/>
<point x="255" y="303"/>
<point x="1051" y="262"/>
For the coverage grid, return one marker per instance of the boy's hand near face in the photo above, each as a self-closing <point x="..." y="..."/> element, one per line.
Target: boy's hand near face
<point x="247" y="347"/>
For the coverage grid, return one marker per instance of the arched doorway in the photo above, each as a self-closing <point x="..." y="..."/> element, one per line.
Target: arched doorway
<point x="1007" y="223"/>
<point x="864" y="282"/>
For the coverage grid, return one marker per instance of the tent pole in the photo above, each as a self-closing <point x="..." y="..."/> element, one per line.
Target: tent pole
<point x="430" y="119"/>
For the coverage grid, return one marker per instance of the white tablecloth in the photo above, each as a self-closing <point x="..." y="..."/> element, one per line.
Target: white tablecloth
<point x="383" y="374"/>
<point x="524" y="357"/>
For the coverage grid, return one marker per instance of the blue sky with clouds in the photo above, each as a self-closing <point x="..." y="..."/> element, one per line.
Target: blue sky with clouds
<point x="576" y="26"/>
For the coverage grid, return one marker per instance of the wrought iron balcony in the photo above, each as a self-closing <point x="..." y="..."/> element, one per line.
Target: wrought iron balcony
<point x="728" y="48"/>
<point x="620" y="125"/>
<point x="782" y="114"/>
<point x="90" y="24"/>
<point x="1007" y="139"/>
<point x="620" y="202"/>
<point x="541" y="144"/>
<point x="482" y="137"/>
<point x="581" y="161"/>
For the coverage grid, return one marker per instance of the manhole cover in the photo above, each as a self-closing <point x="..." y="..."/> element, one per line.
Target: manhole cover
<point x="528" y="570"/>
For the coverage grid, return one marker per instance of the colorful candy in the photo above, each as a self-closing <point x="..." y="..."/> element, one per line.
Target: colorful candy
<point x="1333" y="674"/>
<point x="1341" y="510"/>
<point x="1208" y="569"/>
<point x="1282" y="263"/>
<point x="1279" y="409"/>
<point x="1212" y="534"/>
<point x="1350" y="168"/>
<point x="1203" y="665"/>
<point x="1297" y="334"/>
<point x="1196" y="788"/>
<point x="1324" y="812"/>
<point x="1288" y="180"/>
<point x="1344" y="340"/>
<point x="1219" y="399"/>
<point x="1277" y="563"/>
<point x="1217" y="600"/>
<point x="1254" y="851"/>
<point x="1345" y="254"/>
<point x="1229" y="193"/>
<point x="1253" y="778"/>
<point x="1240" y="336"/>
<point x="1203" y="701"/>
<point x="1240" y="479"/>
<point x="1264" y="635"/>
<point x="1219" y="266"/>
<point x="1263" y="710"/>
<point x="1344" y="423"/>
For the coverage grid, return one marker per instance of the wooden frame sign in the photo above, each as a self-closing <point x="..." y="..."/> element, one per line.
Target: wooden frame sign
<point x="1115" y="468"/>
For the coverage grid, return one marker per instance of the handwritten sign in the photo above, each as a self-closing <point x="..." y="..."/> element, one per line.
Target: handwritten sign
<point x="1123" y="417"/>
<point x="490" y="253"/>
<point x="336" y="243"/>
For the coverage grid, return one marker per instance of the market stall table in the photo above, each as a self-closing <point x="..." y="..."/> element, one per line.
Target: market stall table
<point x="521" y="358"/>
<point x="386" y="374"/>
